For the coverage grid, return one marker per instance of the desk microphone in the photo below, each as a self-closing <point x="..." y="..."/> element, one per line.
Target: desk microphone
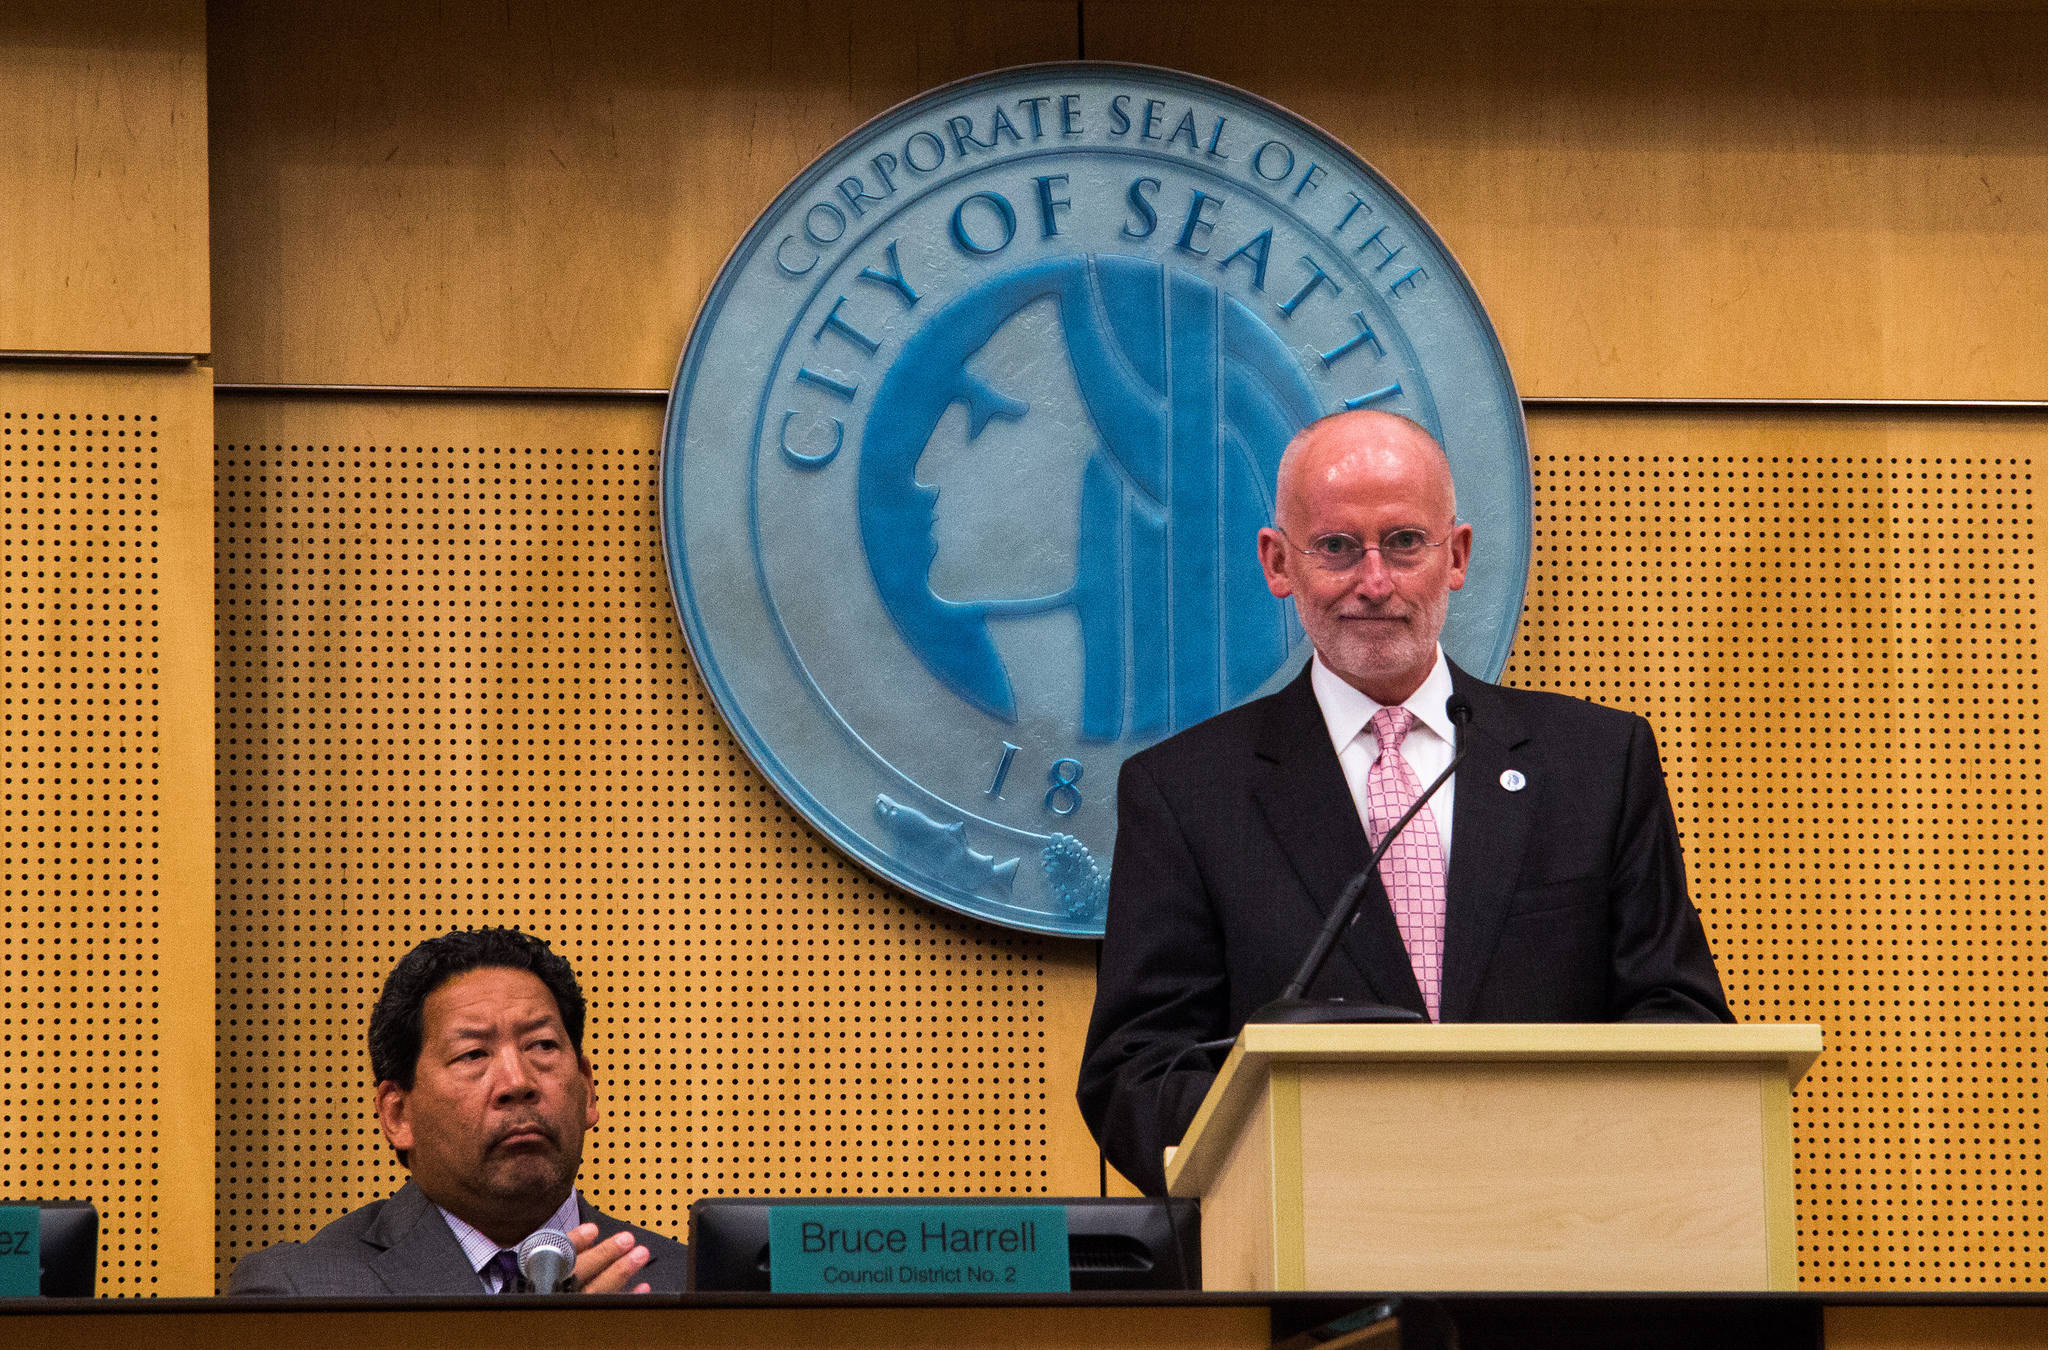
<point x="1291" y="1006"/>
<point x="545" y="1260"/>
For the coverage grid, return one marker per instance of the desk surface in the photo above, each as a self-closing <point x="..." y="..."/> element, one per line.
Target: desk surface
<point x="1140" y="1321"/>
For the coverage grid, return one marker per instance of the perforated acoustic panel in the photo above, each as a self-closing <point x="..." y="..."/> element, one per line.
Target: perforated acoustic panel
<point x="1831" y="621"/>
<point x="452" y="692"/>
<point x="106" y="983"/>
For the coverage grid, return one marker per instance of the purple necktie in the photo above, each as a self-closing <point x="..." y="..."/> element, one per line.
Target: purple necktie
<point x="506" y="1266"/>
<point x="1413" y="867"/>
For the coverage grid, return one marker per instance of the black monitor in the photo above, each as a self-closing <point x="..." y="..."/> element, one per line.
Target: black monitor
<point x="1111" y="1244"/>
<point x="70" y="1245"/>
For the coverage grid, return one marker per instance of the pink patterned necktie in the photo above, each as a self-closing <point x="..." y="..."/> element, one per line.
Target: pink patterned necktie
<point x="1413" y="868"/>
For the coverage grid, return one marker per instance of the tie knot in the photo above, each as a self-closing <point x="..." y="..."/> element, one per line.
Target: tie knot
<point x="505" y="1265"/>
<point x="1390" y="727"/>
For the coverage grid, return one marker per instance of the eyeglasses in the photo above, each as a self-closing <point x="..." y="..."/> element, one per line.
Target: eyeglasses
<point x="1399" y="549"/>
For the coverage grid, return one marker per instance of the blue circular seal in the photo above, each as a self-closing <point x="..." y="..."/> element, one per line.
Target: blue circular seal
<point x="969" y="448"/>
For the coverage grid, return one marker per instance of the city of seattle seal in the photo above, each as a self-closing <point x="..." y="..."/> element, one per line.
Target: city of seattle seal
<point x="969" y="447"/>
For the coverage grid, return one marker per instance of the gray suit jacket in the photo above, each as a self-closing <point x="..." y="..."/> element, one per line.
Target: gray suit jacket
<point x="402" y="1246"/>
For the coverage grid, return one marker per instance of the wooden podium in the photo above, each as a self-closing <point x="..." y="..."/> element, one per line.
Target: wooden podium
<point x="1499" y="1157"/>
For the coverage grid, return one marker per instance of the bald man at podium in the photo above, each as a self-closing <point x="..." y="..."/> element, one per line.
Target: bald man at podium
<point x="1542" y="883"/>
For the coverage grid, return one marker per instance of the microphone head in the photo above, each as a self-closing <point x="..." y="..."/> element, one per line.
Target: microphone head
<point x="545" y="1259"/>
<point x="1459" y="709"/>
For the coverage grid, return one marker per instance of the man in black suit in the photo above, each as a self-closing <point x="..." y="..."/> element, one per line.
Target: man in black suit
<point x="485" y="1092"/>
<point x="1564" y="896"/>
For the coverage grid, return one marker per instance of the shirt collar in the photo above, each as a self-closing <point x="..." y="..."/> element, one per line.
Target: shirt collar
<point x="1346" y="711"/>
<point x="478" y="1249"/>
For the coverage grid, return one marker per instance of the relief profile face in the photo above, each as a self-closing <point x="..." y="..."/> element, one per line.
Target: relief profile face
<point x="1048" y="444"/>
<point x="1006" y="521"/>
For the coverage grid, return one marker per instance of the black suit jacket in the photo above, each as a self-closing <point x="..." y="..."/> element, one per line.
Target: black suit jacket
<point x="402" y="1246"/>
<point x="1565" y="900"/>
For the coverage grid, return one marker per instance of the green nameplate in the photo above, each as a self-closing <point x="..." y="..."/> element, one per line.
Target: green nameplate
<point x="21" y="1251"/>
<point x="918" y="1249"/>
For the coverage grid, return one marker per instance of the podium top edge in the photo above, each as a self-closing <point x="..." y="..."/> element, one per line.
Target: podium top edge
<point x="1798" y="1043"/>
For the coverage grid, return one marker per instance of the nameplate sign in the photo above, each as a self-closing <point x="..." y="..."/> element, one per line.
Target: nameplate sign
<point x="918" y="1249"/>
<point x="21" y="1252"/>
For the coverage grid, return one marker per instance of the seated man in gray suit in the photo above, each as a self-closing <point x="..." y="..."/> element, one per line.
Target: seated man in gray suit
<point x="484" y="1090"/>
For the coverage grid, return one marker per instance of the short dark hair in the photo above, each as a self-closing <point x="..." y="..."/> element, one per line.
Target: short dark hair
<point x="397" y="1023"/>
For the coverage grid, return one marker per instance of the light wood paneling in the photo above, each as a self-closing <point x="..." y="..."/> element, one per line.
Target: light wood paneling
<point x="1828" y="618"/>
<point x="1245" y="1254"/>
<point x="106" y="810"/>
<point x="1690" y="200"/>
<point x="1488" y="1156"/>
<point x="452" y="692"/>
<point x="103" y="220"/>
<point x="534" y="194"/>
<point x="1538" y="1177"/>
<point x="1831" y="621"/>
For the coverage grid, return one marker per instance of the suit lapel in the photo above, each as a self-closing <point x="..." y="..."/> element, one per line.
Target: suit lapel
<point x="1489" y="833"/>
<point x="415" y="1252"/>
<point x="1300" y="789"/>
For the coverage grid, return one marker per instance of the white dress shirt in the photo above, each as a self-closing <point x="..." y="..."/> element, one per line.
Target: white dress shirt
<point x="478" y="1249"/>
<point x="1428" y="746"/>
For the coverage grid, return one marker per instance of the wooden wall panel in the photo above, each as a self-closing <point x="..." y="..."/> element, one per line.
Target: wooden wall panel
<point x="1831" y="621"/>
<point x="1829" y="618"/>
<point x="452" y="691"/>
<point x="103" y="221"/>
<point x="447" y="659"/>
<point x="534" y="194"/>
<point x="106" y="810"/>
<point x="1719" y="200"/>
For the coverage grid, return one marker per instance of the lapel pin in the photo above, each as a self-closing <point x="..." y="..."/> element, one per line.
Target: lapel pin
<point x="1512" y="780"/>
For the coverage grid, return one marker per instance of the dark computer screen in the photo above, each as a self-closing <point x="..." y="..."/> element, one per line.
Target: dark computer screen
<point x="70" y="1241"/>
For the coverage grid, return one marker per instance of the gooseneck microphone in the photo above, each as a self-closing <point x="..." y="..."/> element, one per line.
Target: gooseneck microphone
<point x="545" y="1260"/>
<point x="1291" y="1006"/>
